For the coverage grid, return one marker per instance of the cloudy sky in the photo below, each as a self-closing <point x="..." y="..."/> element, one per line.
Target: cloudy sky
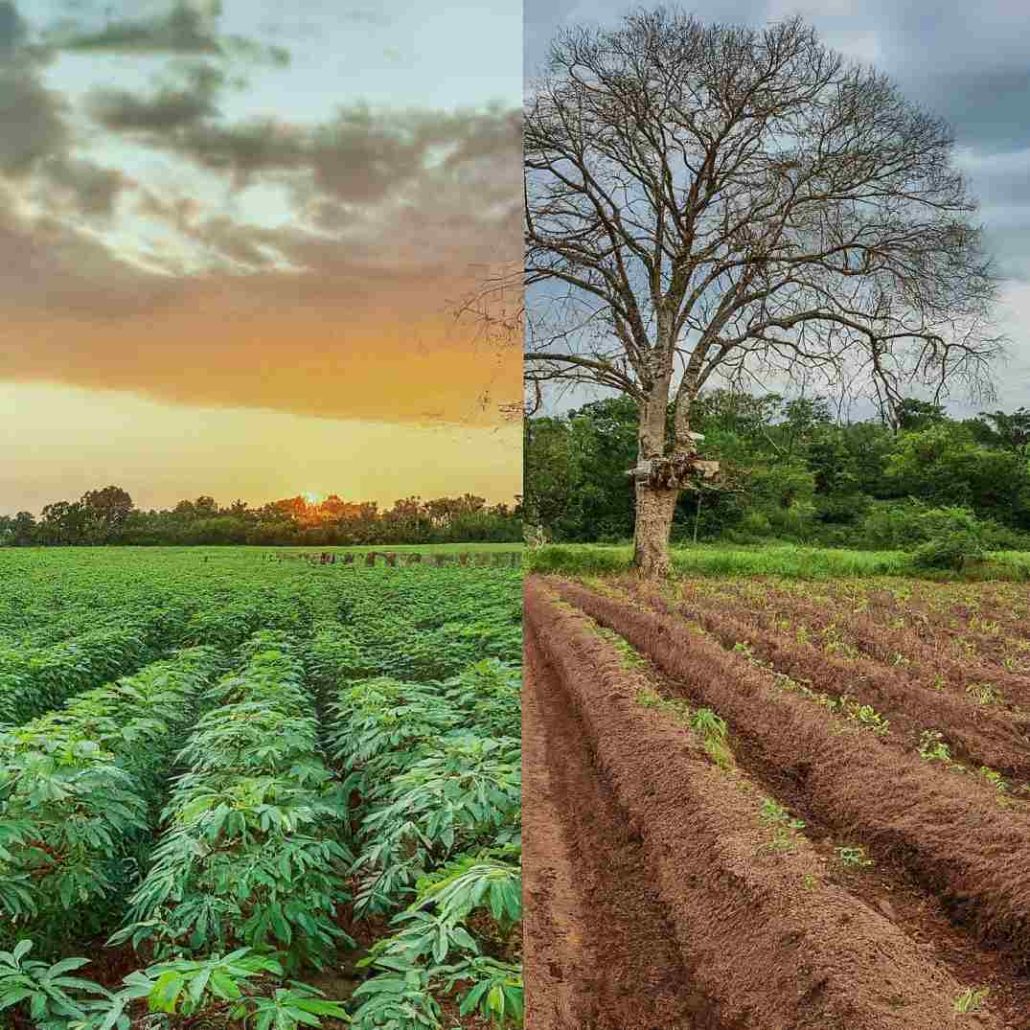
<point x="967" y="62"/>
<point x="233" y="239"/>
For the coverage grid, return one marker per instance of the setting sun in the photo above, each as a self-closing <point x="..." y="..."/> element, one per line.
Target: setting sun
<point x="312" y="498"/>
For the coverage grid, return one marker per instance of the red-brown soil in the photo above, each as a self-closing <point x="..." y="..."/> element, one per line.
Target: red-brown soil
<point x="914" y="638"/>
<point x="978" y="734"/>
<point x="971" y="852"/>
<point x="633" y="817"/>
<point x="597" y="951"/>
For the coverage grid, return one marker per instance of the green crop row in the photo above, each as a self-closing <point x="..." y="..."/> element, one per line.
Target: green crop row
<point x="436" y="770"/>
<point x="202" y="816"/>
<point x="37" y="679"/>
<point x="253" y="848"/>
<point x="76" y="787"/>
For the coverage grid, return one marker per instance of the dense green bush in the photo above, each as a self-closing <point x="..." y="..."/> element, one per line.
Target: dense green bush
<point x="791" y="471"/>
<point x="953" y="550"/>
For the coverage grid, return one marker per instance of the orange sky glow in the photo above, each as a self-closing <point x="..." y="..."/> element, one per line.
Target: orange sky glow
<point x="214" y="279"/>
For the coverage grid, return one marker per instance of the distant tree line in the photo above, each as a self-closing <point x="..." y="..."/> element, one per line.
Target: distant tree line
<point x="791" y="470"/>
<point x="109" y="516"/>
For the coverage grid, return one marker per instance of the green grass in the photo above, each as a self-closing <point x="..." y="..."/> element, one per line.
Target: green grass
<point x="791" y="560"/>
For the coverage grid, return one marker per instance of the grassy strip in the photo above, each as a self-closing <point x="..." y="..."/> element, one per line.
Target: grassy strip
<point x="786" y="560"/>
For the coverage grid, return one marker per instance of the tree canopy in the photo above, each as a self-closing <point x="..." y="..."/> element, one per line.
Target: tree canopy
<point x="108" y="516"/>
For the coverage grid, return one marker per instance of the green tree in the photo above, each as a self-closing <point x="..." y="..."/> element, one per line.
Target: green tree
<point x="1011" y="431"/>
<point x="943" y="465"/>
<point x="106" y="512"/>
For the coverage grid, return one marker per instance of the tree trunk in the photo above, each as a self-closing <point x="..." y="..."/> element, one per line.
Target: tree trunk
<point x="651" y="529"/>
<point x="655" y="505"/>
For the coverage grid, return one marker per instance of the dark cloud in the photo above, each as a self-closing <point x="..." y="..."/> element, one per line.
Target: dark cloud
<point x="31" y="116"/>
<point x="12" y="27"/>
<point x="183" y="30"/>
<point x="47" y="266"/>
<point x="347" y="170"/>
<point x="83" y="188"/>
<point x="170" y="107"/>
<point x="36" y="143"/>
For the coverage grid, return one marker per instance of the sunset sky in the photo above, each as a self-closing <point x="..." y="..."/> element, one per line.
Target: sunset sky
<point x="233" y="242"/>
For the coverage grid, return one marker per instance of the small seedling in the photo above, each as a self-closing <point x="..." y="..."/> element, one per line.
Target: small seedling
<point x="865" y="715"/>
<point x="648" y="698"/>
<point x="933" y="748"/>
<point x="971" y="999"/>
<point x="854" y="857"/>
<point x="994" y="778"/>
<point x="842" y="648"/>
<point x="984" y="693"/>
<point x="705" y="722"/>
<point x="809" y="882"/>
<point x="630" y="657"/>
<point x="783" y="826"/>
<point x="712" y="731"/>
<point x="676" y="707"/>
<point x="869" y="717"/>
<point x="773" y="812"/>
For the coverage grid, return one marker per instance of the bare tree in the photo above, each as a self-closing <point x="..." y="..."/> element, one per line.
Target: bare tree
<point x="719" y="199"/>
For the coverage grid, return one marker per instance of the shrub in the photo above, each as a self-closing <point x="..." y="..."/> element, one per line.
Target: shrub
<point x="952" y="551"/>
<point x="945" y="538"/>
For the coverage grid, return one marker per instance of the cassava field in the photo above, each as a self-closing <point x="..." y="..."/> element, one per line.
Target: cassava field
<point x="767" y="804"/>
<point x="239" y="788"/>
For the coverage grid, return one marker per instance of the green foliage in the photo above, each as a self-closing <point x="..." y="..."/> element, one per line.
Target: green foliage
<point x="251" y="851"/>
<point x="75" y="790"/>
<point x="233" y="987"/>
<point x="198" y="812"/>
<point x="433" y="764"/>
<point x="31" y="681"/>
<point x="933" y="747"/>
<point x="784" y="827"/>
<point x="791" y="471"/>
<point x="971" y="1000"/>
<point x="108" y="516"/>
<point x="47" y="993"/>
<point x="579" y="489"/>
<point x="465" y="792"/>
<point x="433" y="951"/>
<point x="953" y="551"/>
<point x="853" y="857"/>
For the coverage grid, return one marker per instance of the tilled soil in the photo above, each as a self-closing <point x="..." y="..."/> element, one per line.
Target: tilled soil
<point x="970" y="851"/>
<point x="598" y="953"/>
<point x="919" y="649"/>
<point x="656" y="885"/>
<point x="978" y="734"/>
